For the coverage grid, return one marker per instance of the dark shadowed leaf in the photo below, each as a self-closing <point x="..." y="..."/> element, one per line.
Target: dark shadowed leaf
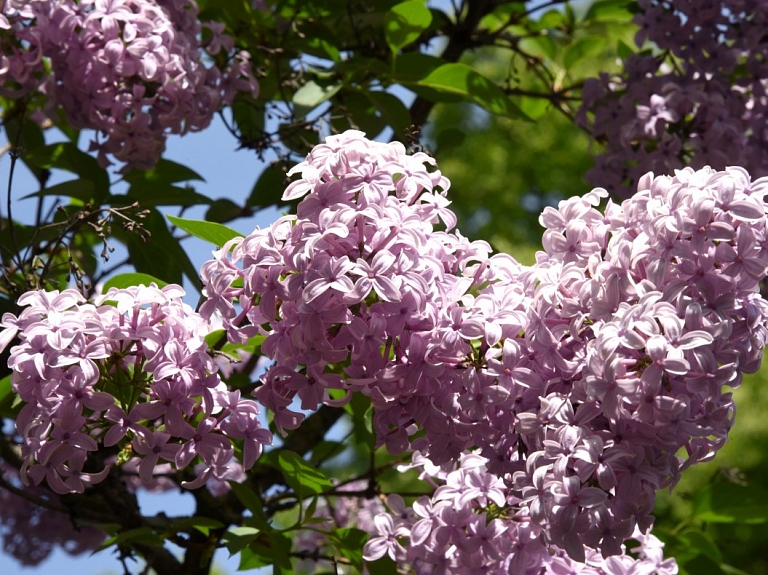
<point x="732" y="503"/>
<point x="269" y="188"/>
<point x="83" y="190"/>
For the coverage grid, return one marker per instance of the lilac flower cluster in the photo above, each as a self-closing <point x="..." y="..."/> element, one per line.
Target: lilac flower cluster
<point x="130" y="370"/>
<point x="465" y="528"/>
<point x="132" y="70"/>
<point x="580" y="378"/>
<point x="699" y="100"/>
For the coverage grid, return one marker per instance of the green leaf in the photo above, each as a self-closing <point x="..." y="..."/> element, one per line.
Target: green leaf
<point x="5" y="388"/>
<point x="583" y="48"/>
<point x="415" y="66"/>
<point x="383" y="566"/>
<point x="215" y="233"/>
<point x="701" y="565"/>
<point x="362" y="114"/>
<point x="311" y="95"/>
<point x="326" y="450"/>
<point x="253" y="503"/>
<point x="468" y="83"/>
<point x="67" y="156"/>
<point x="268" y="549"/>
<point x="165" y="171"/>
<point x="168" y="263"/>
<point x="224" y="210"/>
<point x="213" y="338"/>
<point x="152" y="194"/>
<point x="551" y="19"/>
<point x="30" y="138"/>
<point x="143" y="535"/>
<point x="237" y="538"/>
<point x="624" y="50"/>
<point x="269" y="188"/>
<point x="79" y="189"/>
<point x="202" y="524"/>
<point x="301" y="476"/>
<point x="533" y="107"/>
<point x="391" y="108"/>
<point x="405" y="22"/>
<point x="732" y="503"/>
<point x="349" y="541"/>
<point x="359" y="407"/>
<point x="610" y="11"/>
<point x="127" y="280"/>
<point x="697" y="539"/>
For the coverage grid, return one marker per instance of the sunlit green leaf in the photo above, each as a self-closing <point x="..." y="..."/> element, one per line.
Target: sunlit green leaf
<point x="164" y="171"/>
<point x="312" y="94"/>
<point x="583" y="48"/>
<point x="127" y="280"/>
<point x="215" y="233"/>
<point x="610" y="10"/>
<point x="405" y="22"/>
<point x="465" y="81"/>
<point x="237" y="538"/>
<point x="301" y="476"/>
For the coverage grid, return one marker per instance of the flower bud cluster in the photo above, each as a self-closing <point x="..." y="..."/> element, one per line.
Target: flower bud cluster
<point x="701" y="101"/>
<point x="474" y="524"/>
<point x="580" y="378"/>
<point x="132" y="70"/>
<point x="129" y="371"/>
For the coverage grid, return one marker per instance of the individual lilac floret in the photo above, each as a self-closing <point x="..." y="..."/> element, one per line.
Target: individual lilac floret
<point x="129" y="370"/>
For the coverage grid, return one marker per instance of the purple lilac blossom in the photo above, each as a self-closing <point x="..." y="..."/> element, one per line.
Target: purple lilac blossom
<point x="131" y="369"/>
<point x="698" y="99"/>
<point x="132" y="70"/>
<point x="466" y="534"/>
<point x="566" y="390"/>
<point x="581" y="379"/>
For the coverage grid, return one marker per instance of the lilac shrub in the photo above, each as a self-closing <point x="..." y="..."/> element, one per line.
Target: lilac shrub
<point x="129" y="371"/>
<point x="132" y="70"/>
<point x="699" y="99"/>
<point x="580" y="379"/>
